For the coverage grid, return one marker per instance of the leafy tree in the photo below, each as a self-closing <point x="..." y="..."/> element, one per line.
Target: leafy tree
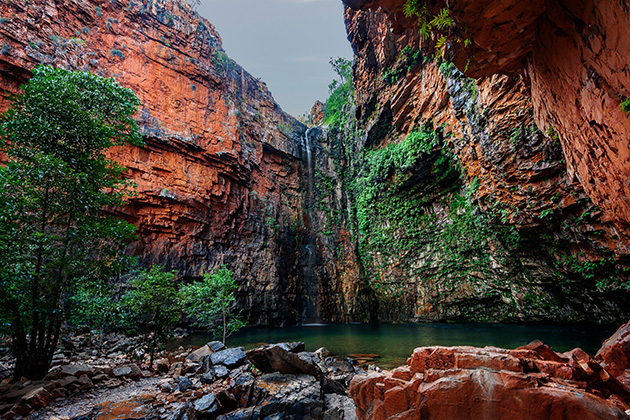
<point x="210" y="302"/>
<point x="340" y="91"/>
<point x="152" y="306"/>
<point x="53" y="232"/>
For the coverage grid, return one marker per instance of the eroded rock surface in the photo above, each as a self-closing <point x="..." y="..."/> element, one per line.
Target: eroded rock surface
<point x="454" y="383"/>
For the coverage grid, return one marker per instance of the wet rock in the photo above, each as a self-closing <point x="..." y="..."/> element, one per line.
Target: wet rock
<point x="230" y="358"/>
<point x="277" y="359"/>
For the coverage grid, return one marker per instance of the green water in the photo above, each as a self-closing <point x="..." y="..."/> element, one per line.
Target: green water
<point x="395" y="342"/>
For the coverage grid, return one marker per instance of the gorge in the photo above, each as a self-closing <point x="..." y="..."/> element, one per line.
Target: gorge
<point x="434" y="197"/>
<point x="479" y="174"/>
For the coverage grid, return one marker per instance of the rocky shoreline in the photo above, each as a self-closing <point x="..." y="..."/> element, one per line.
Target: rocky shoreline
<point x="283" y="381"/>
<point x="207" y="382"/>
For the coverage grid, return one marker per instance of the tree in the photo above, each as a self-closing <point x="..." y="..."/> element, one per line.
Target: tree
<point x="210" y="302"/>
<point x="54" y="234"/>
<point x="152" y="306"/>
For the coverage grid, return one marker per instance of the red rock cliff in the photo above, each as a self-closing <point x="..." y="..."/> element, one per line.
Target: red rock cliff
<point x="574" y="59"/>
<point x="218" y="180"/>
<point x="516" y="173"/>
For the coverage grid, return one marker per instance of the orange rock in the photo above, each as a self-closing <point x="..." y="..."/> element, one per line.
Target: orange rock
<point x="489" y="388"/>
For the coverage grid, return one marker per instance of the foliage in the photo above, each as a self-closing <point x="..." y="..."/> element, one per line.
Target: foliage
<point x="152" y="306"/>
<point x="210" y="302"/>
<point x="53" y="232"/>
<point x="341" y="92"/>
<point x="222" y="62"/>
<point x="625" y="106"/>
<point x="407" y="59"/>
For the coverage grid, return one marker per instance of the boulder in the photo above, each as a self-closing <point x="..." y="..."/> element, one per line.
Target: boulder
<point x="453" y="383"/>
<point x="162" y="365"/>
<point x="184" y="411"/>
<point x="207" y="404"/>
<point x="131" y="371"/>
<point x="216" y="346"/>
<point x="37" y="398"/>
<point x="75" y="370"/>
<point x="221" y="372"/>
<point x="196" y="355"/>
<point x="614" y="355"/>
<point x="230" y="358"/>
<point x="184" y="384"/>
<point x="339" y="407"/>
<point x="276" y="359"/>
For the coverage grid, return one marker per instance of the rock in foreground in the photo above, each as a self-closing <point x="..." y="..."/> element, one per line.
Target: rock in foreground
<point x="531" y="382"/>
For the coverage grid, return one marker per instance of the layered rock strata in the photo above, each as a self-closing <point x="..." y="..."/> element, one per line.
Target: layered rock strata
<point x="573" y="58"/>
<point x="530" y="244"/>
<point x="218" y="181"/>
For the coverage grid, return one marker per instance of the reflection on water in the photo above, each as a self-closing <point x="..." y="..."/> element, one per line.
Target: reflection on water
<point x="396" y="342"/>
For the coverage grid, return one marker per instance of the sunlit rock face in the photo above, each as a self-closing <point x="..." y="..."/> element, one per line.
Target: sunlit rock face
<point x="218" y="181"/>
<point x="513" y="167"/>
<point x="573" y="59"/>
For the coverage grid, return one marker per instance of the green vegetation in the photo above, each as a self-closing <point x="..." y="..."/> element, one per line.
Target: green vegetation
<point x="152" y="306"/>
<point x="625" y="106"/>
<point x="407" y="59"/>
<point x="340" y="92"/>
<point x="428" y="23"/>
<point x="53" y="233"/>
<point x="222" y="62"/>
<point x="210" y="302"/>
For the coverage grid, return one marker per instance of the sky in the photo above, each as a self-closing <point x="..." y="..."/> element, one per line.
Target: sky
<point x="286" y="43"/>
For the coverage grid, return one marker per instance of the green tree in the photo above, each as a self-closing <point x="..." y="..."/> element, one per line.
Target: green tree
<point x="340" y="92"/>
<point x="152" y="306"/>
<point x="210" y="302"/>
<point x="54" y="234"/>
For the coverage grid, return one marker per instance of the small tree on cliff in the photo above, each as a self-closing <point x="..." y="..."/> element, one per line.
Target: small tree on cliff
<point x="53" y="233"/>
<point x="210" y="302"/>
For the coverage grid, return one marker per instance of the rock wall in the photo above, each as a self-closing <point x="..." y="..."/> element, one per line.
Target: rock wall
<point x="496" y="227"/>
<point x="218" y="181"/>
<point x="573" y="58"/>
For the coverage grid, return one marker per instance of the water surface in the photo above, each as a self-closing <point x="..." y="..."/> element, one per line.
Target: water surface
<point x="395" y="342"/>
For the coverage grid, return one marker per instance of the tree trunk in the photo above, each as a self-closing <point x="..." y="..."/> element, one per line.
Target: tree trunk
<point x="224" y="327"/>
<point x="33" y="366"/>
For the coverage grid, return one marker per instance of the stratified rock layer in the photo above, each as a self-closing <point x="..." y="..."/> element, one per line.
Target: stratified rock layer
<point x="547" y="245"/>
<point x="218" y="181"/>
<point x="574" y="57"/>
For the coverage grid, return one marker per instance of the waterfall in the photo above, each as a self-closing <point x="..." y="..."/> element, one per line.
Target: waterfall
<point x="310" y="312"/>
<point x="309" y="164"/>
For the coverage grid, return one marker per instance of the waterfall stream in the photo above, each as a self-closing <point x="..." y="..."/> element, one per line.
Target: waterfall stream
<point x="310" y="312"/>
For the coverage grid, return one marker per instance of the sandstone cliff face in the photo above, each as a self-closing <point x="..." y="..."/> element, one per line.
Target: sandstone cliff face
<point x="573" y="58"/>
<point x="531" y="246"/>
<point x="219" y="178"/>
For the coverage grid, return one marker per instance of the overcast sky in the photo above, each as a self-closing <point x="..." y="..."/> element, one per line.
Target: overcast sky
<point x="287" y="43"/>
